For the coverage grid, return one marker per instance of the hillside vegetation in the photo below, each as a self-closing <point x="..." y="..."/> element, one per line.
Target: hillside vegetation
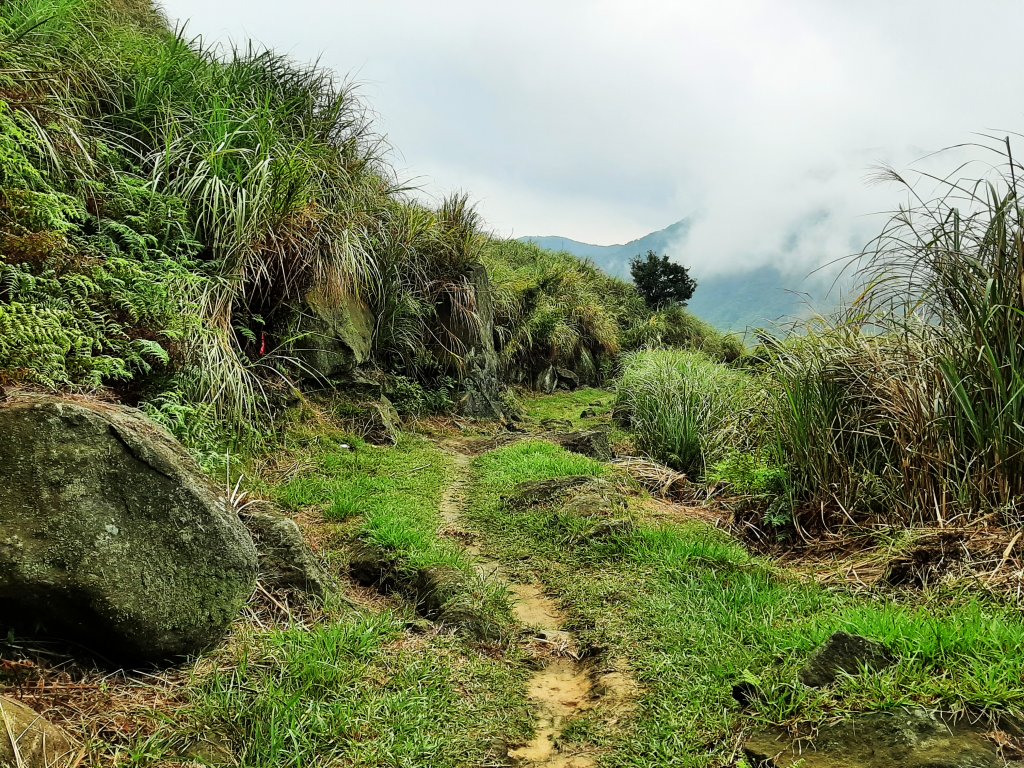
<point x="180" y="226"/>
<point x="903" y="408"/>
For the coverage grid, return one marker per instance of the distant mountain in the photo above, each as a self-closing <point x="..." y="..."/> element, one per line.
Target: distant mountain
<point x="737" y="301"/>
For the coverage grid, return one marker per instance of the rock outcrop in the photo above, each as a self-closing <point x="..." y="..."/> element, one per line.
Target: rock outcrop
<point x="332" y="338"/>
<point x="109" y="534"/>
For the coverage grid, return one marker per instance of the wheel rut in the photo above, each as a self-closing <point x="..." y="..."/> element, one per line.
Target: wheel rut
<point x="563" y="686"/>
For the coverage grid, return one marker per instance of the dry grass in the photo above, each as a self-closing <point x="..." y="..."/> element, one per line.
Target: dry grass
<point x="662" y="481"/>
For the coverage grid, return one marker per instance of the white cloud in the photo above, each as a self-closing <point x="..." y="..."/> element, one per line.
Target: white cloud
<point x="603" y="120"/>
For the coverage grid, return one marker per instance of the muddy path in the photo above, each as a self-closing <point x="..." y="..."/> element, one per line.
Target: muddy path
<point x="564" y="685"/>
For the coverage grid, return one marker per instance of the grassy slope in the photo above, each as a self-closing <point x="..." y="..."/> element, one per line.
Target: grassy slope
<point x="693" y="613"/>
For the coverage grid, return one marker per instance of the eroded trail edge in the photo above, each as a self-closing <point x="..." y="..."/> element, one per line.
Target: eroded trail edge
<point x="564" y="685"/>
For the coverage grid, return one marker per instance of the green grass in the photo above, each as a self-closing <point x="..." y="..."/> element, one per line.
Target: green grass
<point x="390" y="500"/>
<point x="357" y="686"/>
<point x="357" y="690"/>
<point x="687" y="410"/>
<point x="692" y="613"/>
<point x="567" y="406"/>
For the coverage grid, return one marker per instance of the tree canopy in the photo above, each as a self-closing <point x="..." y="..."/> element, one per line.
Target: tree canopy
<point x="661" y="282"/>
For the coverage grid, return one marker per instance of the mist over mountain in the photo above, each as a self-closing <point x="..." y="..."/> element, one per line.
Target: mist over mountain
<point x="739" y="300"/>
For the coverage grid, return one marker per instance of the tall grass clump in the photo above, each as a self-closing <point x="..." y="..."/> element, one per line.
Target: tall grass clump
<point x="687" y="410"/>
<point x="175" y="217"/>
<point x="909" y="405"/>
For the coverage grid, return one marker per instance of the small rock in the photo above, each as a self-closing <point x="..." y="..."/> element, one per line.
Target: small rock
<point x="588" y="413"/>
<point x="556" y="423"/>
<point x="546" y="381"/>
<point x="567" y="379"/>
<point x="40" y="743"/>
<point x="844" y="654"/>
<point x="285" y="558"/>
<point x="592" y="442"/>
<point x="379" y="424"/>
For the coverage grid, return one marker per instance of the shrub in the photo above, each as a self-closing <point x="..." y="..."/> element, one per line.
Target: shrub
<point x="687" y="410"/>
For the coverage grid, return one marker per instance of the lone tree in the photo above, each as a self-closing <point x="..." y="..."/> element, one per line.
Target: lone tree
<point x="660" y="281"/>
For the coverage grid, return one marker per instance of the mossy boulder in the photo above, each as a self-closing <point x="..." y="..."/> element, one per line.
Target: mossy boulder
<point x="593" y="443"/>
<point x="110" y="536"/>
<point x="333" y="336"/>
<point x="910" y="738"/>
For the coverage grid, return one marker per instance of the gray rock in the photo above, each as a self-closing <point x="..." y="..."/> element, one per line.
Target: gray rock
<point x="567" y="379"/>
<point x="908" y="739"/>
<point x="590" y="442"/>
<point x="285" y="559"/>
<point x="332" y="337"/>
<point x="546" y="381"/>
<point x="40" y="743"/>
<point x="844" y="654"/>
<point x="379" y="424"/>
<point x="109" y="533"/>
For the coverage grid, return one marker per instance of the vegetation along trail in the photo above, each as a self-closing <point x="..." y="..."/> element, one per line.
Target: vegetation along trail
<point x="298" y="470"/>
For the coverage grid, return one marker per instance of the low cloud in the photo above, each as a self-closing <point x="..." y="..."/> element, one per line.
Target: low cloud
<point x="602" y="121"/>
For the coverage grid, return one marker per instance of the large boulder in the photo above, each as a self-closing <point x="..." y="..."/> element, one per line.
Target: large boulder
<point x="29" y="741"/>
<point x="110" y="535"/>
<point x="333" y="336"/>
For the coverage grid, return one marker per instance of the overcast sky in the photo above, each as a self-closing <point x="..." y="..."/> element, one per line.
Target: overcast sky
<point x="603" y="121"/>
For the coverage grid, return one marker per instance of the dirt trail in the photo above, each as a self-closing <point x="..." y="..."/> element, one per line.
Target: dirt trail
<point x="564" y="686"/>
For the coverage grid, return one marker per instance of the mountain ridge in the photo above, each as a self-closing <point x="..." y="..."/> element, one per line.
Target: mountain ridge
<point x="738" y="301"/>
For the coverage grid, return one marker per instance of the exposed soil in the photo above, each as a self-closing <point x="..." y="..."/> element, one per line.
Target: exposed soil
<point x="564" y="686"/>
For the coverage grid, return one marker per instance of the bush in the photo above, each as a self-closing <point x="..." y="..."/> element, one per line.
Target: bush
<point x="689" y="411"/>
